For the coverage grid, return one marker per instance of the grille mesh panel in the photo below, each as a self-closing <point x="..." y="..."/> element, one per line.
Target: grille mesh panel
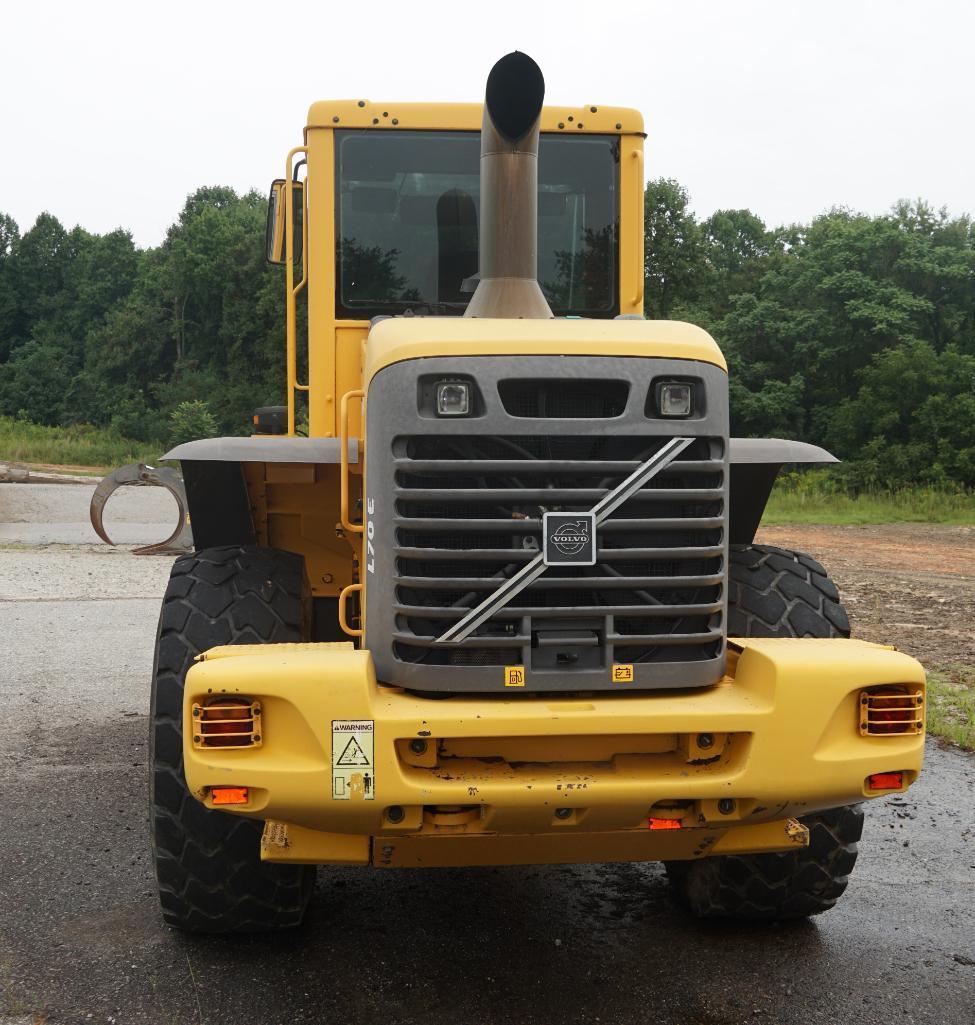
<point x="469" y="514"/>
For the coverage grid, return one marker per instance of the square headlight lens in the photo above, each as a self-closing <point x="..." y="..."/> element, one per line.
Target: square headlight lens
<point x="675" y="399"/>
<point x="453" y="398"/>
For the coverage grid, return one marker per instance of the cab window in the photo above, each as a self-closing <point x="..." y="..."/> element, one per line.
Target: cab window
<point x="408" y="214"/>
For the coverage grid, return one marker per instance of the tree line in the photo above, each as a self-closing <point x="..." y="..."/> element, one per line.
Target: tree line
<point x="854" y="332"/>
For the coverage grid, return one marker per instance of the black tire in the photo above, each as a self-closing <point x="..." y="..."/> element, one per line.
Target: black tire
<point x="777" y="593"/>
<point x="775" y="887"/>
<point x="208" y="866"/>
<point x="774" y="592"/>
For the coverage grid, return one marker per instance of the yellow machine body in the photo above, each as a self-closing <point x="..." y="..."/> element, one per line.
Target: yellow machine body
<point x="295" y="505"/>
<point x="509" y="777"/>
<point x="474" y="780"/>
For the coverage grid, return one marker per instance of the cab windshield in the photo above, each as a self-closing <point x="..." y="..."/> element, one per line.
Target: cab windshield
<point x="408" y="211"/>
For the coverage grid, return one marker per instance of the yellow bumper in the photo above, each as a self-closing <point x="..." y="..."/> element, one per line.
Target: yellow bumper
<point x="349" y="771"/>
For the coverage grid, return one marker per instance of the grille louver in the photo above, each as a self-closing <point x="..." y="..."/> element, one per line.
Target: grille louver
<point x="455" y="511"/>
<point x="468" y="515"/>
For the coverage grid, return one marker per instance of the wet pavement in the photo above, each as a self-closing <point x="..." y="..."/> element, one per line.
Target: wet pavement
<point x="81" y="939"/>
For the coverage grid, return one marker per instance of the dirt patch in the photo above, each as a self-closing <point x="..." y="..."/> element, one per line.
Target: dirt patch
<point x="908" y="584"/>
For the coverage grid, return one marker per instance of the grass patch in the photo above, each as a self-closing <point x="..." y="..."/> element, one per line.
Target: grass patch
<point x="818" y="496"/>
<point x="80" y="445"/>
<point x="951" y="705"/>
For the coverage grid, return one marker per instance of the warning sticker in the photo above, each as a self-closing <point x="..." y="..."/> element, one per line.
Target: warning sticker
<point x="353" y="760"/>
<point x="622" y="673"/>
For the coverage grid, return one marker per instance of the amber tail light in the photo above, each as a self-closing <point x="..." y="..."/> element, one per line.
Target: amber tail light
<point x="886" y="781"/>
<point x="227" y="723"/>
<point x="891" y="712"/>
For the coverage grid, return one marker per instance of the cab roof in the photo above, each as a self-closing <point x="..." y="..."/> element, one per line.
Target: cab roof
<point x="589" y="118"/>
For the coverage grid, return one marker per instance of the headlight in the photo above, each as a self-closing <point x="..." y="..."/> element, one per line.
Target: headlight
<point x="675" y="398"/>
<point x="453" y="398"/>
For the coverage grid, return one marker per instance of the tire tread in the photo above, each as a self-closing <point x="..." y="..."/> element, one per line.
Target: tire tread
<point x="775" y="887"/>
<point x="774" y="592"/>
<point x="208" y="866"/>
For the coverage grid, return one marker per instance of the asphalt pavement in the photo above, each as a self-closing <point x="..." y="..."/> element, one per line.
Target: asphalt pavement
<point x="81" y="939"/>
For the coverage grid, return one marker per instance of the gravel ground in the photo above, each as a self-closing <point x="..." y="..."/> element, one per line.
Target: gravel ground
<point x="81" y="939"/>
<point x="38" y="514"/>
<point x="909" y="584"/>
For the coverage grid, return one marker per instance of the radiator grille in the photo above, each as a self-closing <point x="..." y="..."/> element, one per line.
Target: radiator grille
<point x="468" y="515"/>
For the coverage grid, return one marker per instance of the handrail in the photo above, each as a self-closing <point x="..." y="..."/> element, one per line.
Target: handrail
<point x="640" y="297"/>
<point x="343" y="622"/>
<point x="347" y="524"/>
<point x="292" y="290"/>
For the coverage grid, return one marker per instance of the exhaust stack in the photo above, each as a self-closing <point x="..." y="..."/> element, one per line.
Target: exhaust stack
<point x="508" y="285"/>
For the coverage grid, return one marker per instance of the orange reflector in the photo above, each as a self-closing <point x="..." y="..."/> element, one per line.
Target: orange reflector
<point x="664" y="823"/>
<point x="229" y="795"/>
<point x="886" y="781"/>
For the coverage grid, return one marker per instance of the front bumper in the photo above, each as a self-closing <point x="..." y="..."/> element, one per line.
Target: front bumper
<point x="542" y="778"/>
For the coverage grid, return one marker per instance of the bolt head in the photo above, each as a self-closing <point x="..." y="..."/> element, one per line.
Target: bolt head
<point x="418" y="747"/>
<point x="395" y="813"/>
<point x="705" y="740"/>
<point x="563" y="813"/>
<point x="726" y="806"/>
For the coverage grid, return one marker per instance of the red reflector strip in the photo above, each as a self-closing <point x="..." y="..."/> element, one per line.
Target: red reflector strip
<point x="665" y="823"/>
<point x="229" y="795"/>
<point x="886" y="781"/>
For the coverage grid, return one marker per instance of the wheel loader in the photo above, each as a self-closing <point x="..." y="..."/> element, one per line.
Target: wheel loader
<point x="487" y="591"/>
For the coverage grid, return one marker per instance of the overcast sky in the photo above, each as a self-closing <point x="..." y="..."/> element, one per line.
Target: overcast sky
<point x="112" y="113"/>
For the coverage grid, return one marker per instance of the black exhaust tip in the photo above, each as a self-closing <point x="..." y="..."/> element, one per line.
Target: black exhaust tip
<point x="515" y="94"/>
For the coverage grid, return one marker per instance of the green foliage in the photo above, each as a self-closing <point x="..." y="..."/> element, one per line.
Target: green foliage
<point x="34" y="381"/>
<point x="951" y="705"/>
<point x="913" y="417"/>
<point x="191" y="420"/>
<point x="78" y="445"/>
<point x="834" y="496"/>
<point x="94" y="330"/>
<point x="673" y="251"/>
<point x="853" y="332"/>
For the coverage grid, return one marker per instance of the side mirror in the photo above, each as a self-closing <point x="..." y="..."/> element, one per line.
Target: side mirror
<point x="276" y="221"/>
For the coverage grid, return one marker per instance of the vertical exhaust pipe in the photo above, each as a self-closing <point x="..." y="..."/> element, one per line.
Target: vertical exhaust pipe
<point x="508" y="234"/>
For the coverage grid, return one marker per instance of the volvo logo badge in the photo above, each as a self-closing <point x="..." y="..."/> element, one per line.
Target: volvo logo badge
<point x="569" y="539"/>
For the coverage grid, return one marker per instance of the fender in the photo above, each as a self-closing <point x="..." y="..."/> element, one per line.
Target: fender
<point x="216" y="491"/>
<point x="263" y="449"/>
<point x="755" y="463"/>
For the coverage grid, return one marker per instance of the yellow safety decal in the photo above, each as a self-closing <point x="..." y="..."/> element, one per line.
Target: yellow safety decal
<point x="353" y="760"/>
<point x="622" y="674"/>
<point x="514" y="676"/>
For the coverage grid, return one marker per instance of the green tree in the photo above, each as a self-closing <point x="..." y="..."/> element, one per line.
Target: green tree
<point x="189" y="421"/>
<point x="912" y="419"/>
<point x="33" y="383"/>
<point x="9" y="238"/>
<point x="673" y="258"/>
